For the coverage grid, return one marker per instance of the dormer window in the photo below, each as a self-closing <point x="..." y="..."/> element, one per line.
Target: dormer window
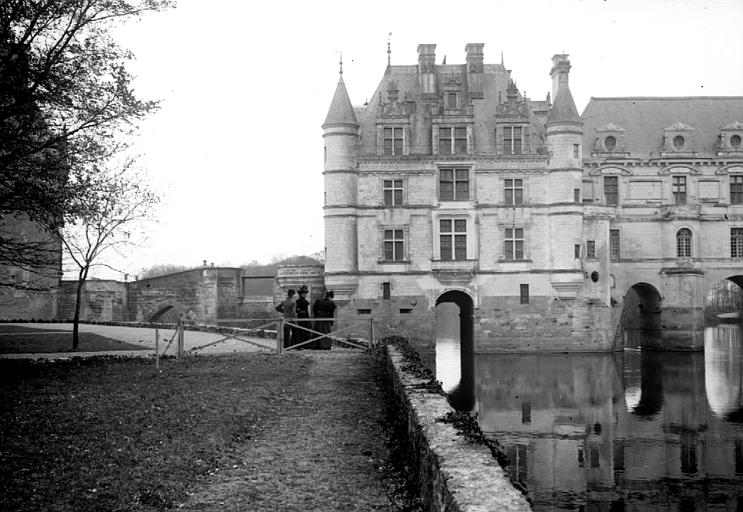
<point x="731" y="138"/>
<point x="678" y="140"/>
<point x="610" y="139"/>
<point x="451" y="100"/>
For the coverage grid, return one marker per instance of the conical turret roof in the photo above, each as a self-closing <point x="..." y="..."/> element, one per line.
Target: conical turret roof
<point x="341" y="110"/>
<point x="563" y="109"/>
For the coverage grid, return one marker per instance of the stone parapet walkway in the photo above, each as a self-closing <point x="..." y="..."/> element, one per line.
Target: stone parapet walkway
<point x="324" y="449"/>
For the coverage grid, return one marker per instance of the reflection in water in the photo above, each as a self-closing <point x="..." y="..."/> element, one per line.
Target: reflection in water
<point x="637" y="430"/>
<point x="455" y="358"/>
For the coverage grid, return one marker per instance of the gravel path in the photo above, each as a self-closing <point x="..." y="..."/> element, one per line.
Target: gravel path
<point x="323" y="450"/>
<point x="146" y="337"/>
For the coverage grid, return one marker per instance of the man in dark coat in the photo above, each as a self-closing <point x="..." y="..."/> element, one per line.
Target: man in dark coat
<point x="324" y="308"/>
<point x="303" y="311"/>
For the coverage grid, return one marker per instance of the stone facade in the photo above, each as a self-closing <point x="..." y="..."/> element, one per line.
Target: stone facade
<point x="451" y="185"/>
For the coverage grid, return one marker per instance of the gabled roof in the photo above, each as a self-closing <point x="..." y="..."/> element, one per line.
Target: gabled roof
<point x="645" y="120"/>
<point x="341" y="110"/>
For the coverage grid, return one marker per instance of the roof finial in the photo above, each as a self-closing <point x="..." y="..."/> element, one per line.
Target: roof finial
<point x="341" y="65"/>
<point x="389" y="50"/>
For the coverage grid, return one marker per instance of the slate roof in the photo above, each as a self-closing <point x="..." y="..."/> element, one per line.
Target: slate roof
<point x="563" y="109"/>
<point x="340" y="110"/>
<point x="645" y="120"/>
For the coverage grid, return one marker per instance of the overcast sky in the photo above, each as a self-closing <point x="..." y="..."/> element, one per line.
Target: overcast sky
<point x="236" y="149"/>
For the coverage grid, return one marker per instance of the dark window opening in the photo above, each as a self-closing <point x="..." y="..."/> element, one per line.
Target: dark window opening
<point x="386" y="291"/>
<point x="590" y="249"/>
<point x="611" y="190"/>
<point x="524" y="292"/>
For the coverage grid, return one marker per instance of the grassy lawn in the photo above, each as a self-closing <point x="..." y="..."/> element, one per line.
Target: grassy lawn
<point x="16" y="339"/>
<point x="111" y="434"/>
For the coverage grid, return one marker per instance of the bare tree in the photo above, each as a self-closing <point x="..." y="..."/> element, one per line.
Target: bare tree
<point x="118" y="207"/>
<point x="66" y="106"/>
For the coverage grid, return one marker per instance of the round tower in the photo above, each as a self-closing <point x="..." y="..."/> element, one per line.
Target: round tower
<point x="340" y="132"/>
<point x="564" y="138"/>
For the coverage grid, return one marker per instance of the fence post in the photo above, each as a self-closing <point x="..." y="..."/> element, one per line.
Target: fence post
<point x="371" y="332"/>
<point x="280" y="336"/>
<point x="157" y="348"/>
<point x="180" y="336"/>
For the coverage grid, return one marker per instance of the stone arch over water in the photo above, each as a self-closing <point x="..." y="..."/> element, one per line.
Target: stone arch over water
<point x="724" y="299"/>
<point x="642" y="320"/>
<point x="462" y="396"/>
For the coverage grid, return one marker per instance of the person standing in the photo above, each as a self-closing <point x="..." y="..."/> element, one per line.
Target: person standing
<point x="288" y="309"/>
<point x="324" y="308"/>
<point x="303" y="311"/>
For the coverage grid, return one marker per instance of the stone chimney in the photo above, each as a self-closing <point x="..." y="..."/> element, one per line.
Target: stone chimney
<point x="427" y="70"/>
<point x="559" y="72"/>
<point x="475" y="69"/>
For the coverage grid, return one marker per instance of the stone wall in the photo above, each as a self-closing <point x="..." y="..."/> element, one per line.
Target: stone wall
<point x="102" y="300"/>
<point x="294" y="276"/>
<point x="454" y="474"/>
<point x="183" y="290"/>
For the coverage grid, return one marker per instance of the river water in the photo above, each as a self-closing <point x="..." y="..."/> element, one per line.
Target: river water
<point x="635" y="430"/>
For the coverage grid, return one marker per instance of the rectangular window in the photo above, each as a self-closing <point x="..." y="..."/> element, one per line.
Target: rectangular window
<point x="595" y="456"/>
<point x="452" y="140"/>
<point x="576" y="195"/>
<point x="514" y="191"/>
<point x="444" y="141"/>
<point x="460" y="140"/>
<point x="614" y="253"/>
<point x="392" y="138"/>
<point x="590" y="249"/>
<point x="514" y="244"/>
<point x="611" y="190"/>
<point x="524" y="293"/>
<point x="386" y="291"/>
<point x="453" y="239"/>
<point x="451" y="100"/>
<point x="392" y="192"/>
<point x="576" y="150"/>
<point x="577" y="251"/>
<point x="525" y="411"/>
<point x="679" y="189"/>
<point x="736" y="242"/>
<point x="736" y="189"/>
<point x="512" y="137"/>
<point x="394" y="245"/>
<point x="454" y="184"/>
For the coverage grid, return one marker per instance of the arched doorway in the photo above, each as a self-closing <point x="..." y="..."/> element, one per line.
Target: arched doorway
<point x="455" y="348"/>
<point x="642" y="316"/>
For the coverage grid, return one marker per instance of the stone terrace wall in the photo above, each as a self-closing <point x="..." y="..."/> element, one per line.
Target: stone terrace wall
<point x="454" y="475"/>
<point x="294" y="276"/>
<point x="181" y="289"/>
<point x="102" y="301"/>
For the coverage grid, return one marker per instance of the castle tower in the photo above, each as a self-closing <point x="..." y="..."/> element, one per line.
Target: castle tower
<point x="340" y="132"/>
<point x="564" y="137"/>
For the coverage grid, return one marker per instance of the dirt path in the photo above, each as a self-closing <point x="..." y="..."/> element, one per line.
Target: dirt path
<point x="323" y="450"/>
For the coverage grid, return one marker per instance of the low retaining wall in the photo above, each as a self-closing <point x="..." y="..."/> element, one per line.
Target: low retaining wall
<point x="454" y="474"/>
